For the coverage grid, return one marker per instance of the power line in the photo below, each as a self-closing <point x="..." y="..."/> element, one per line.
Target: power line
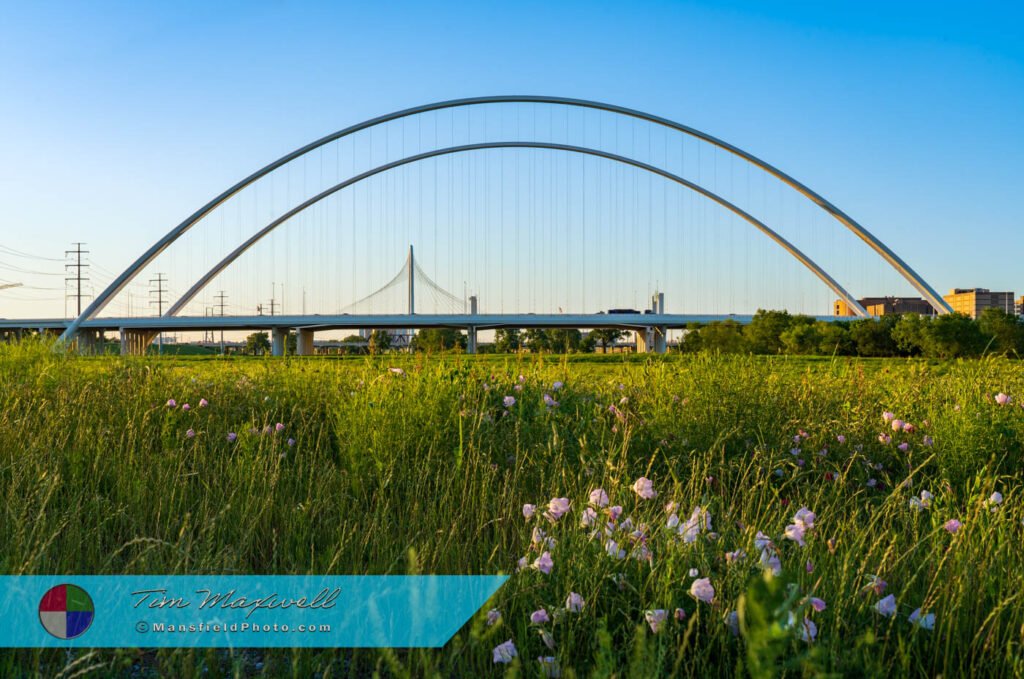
<point x="160" y="290"/>
<point x="78" y="278"/>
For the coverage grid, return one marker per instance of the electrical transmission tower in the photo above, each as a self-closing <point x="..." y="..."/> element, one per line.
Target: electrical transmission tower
<point x="78" y="267"/>
<point x="220" y="306"/>
<point x="159" y="301"/>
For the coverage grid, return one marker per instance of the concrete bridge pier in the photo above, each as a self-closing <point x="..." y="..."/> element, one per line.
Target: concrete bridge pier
<point x="304" y="346"/>
<point x="279" y="341"/>
<point x="87" y="341"/>
<point x="471" y="330"/>
<point x="134" y="342"/>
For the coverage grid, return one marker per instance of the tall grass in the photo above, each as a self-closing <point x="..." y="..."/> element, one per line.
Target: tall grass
<point x="425" y="470"/>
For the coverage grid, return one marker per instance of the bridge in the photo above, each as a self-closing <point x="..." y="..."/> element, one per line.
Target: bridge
<point x="375" y="189"/>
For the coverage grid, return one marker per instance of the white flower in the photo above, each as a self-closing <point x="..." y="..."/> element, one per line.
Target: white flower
<point x="805" y="517"/>
<point x="529" y="510"/>
<point x="574" y="603"/>
<point x="557" y="508"/>
<point x="644" y="487"/>
<point x="700" y="520"/>
<point x="673" y="521"/>
<point x="795" y="532"/>
<point x="887" y="606"/>
<point x="994" y="500"/>
<point x="598" y="497"/>
<point x="655" y="619"/>
<point x="588" y="518"/>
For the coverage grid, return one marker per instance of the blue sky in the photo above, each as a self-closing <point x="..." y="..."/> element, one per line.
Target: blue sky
<point x="117" y="120"/>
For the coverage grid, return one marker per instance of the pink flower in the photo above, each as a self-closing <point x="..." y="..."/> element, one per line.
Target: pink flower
<point x="503" y="653"/>
<point x="614" y="512"/>
<point x="884" y="439"/>
<point x="810" y="566"/>
<point x="550" y="402"/>
<point x="909" y="428"/>
<point x="539" y="617"/>
<point x="680" y="614"/>
<point x="904" y="447"/>
<point x="1002" y="399"/>
<point x="190" y="433"/>
<point x="232" y="436"/>
<point x="897" y="425"/>
<point x="589" y="517"/>
<point x="203" y="403"/>
<point x="888" y="416"/>
<point x="655" y="619"/>
<point x="701" y="590"/>
<point x="877" y="584"/>
<point x="952" y="525"/>
<point x="557" y="508"/>
<point x="529" y="510"/>
<point x="795" y="532"/>
<point x="805" y="517"/>
<point x="574" y="603"/>
<point x="509" y="401"/>
<point x="613" y="550"/>
<point x="557" y="385"/>
<point x="186" y="407"/>
<point x="544" y="563"/>
<point x="279" y="427"/>
<point x="598" y="497"/>
<point x="841" y="439"/>
<point x="171" y="403"/>
<point x="817" y="604"/>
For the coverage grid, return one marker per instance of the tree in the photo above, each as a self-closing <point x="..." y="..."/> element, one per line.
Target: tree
<point x="439" y="339"/>
<point x="873" y="337"/>
<point x="911" y="334"/>
<point x="380" y="341"/>
<point x="953" y="336"/>
<point x="538" y="340"/>
<point x="507" y="340"/>
<point x="1005" y="330"/>
<point x="257" y="344"/>
<point x="606" y="336"/>
<point x="801" y="337"/>
<point x="724" y="336"/>
<point x="765" y="331"/>
<point x="565" y="340"/>
<point x="355" y="340"/>
<point x="834" y="338"/>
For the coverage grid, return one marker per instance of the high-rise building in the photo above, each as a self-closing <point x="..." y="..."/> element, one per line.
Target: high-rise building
<point x="972" y="301"/>
<point x="1020" y="306"/>
<point x="882" y="306"/>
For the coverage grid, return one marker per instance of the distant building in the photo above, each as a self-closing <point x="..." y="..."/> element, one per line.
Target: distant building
<point x="882" y="306"/>
<point x="972" y="301"/>
<point x="1020" y="306"/>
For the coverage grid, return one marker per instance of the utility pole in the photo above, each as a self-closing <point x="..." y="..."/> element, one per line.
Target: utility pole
<point x="160" y="290"/>
<point x="220" y="305"/>
<point x="273" y="302"/>
<point x="78" y="277"/>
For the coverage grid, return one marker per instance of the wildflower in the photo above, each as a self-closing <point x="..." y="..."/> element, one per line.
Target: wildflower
<point x="732" y="621"/>
<point x="887" y="606"/>
<point x="733" y="557"/>
<point x="926" y="621"/>
<point x="817" y="604"/>
<point x="557" y="385"/>
<point x="897" y="425"/>
<point x="598" y="497"/>
<point x="557" y="508"/>
<point x="808" y="630"/>
<point x="762" y="541"/>
<point x="795" y="532"/>
<point x="493" y="616"/>
<point x="909" y="428"/>
<point x="503" y="653"/>
<point x="926" y="499"/>
<point x="522" y="564"/>
<point x="190" y="433"/>
<point x="904" y="447"/>
<point x="171" y="403"/>
<point x="538" y="535"/>
<point x="509" y="401"/>
<point x="877" y="584"/>
<point x="673" y="521"/>
<point x="841" y="439"/>
<point x="396" y="371"/>
<point x="589" y="517"/>
<point x="203" y="403"/>
<point x="614" y="512"/>
<point x="994" y="500"/>
<point x="613" y="550"/>
<point x="544" y="563"/>
<point x="279" y="427"/>
<point x="694" y="572"/>
<point x="927" y="441"/>
<point x="670" y="507"/>
<point x="888" y="416"/>
<point x="805" y="517"/>
<point x="655" y="619"/>
<point x="549" y="665"/>
<point x="529" y="510"/>
<point x="831" y="545"/>
<point x="1002" y="399"/>
<point x="701" y="590"/>
<point x="809" y="567"/>
<point x="644" y="487"/>
<point x="232" y="436"/>
<point x="548" y="640"/>
<point x="574" y="603"/>
<point x="700" y="520"/>
<point x="872" y="483"/>
<point x="539" y="617"/>
<point x="680" y="614"/>
<point x="953" y="525"/>
<point x="884" y="439"/>
<point x="550" y="402"/>
<point x="186" y="407"/>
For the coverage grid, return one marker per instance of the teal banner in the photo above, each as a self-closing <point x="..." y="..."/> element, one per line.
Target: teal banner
<point x="149" y="611"/>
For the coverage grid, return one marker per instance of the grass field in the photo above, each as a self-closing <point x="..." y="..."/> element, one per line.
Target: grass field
<point x="410" y="464"/>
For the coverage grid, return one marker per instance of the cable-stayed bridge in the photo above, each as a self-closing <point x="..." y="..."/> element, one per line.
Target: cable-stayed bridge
<point x="553" y="211"/>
